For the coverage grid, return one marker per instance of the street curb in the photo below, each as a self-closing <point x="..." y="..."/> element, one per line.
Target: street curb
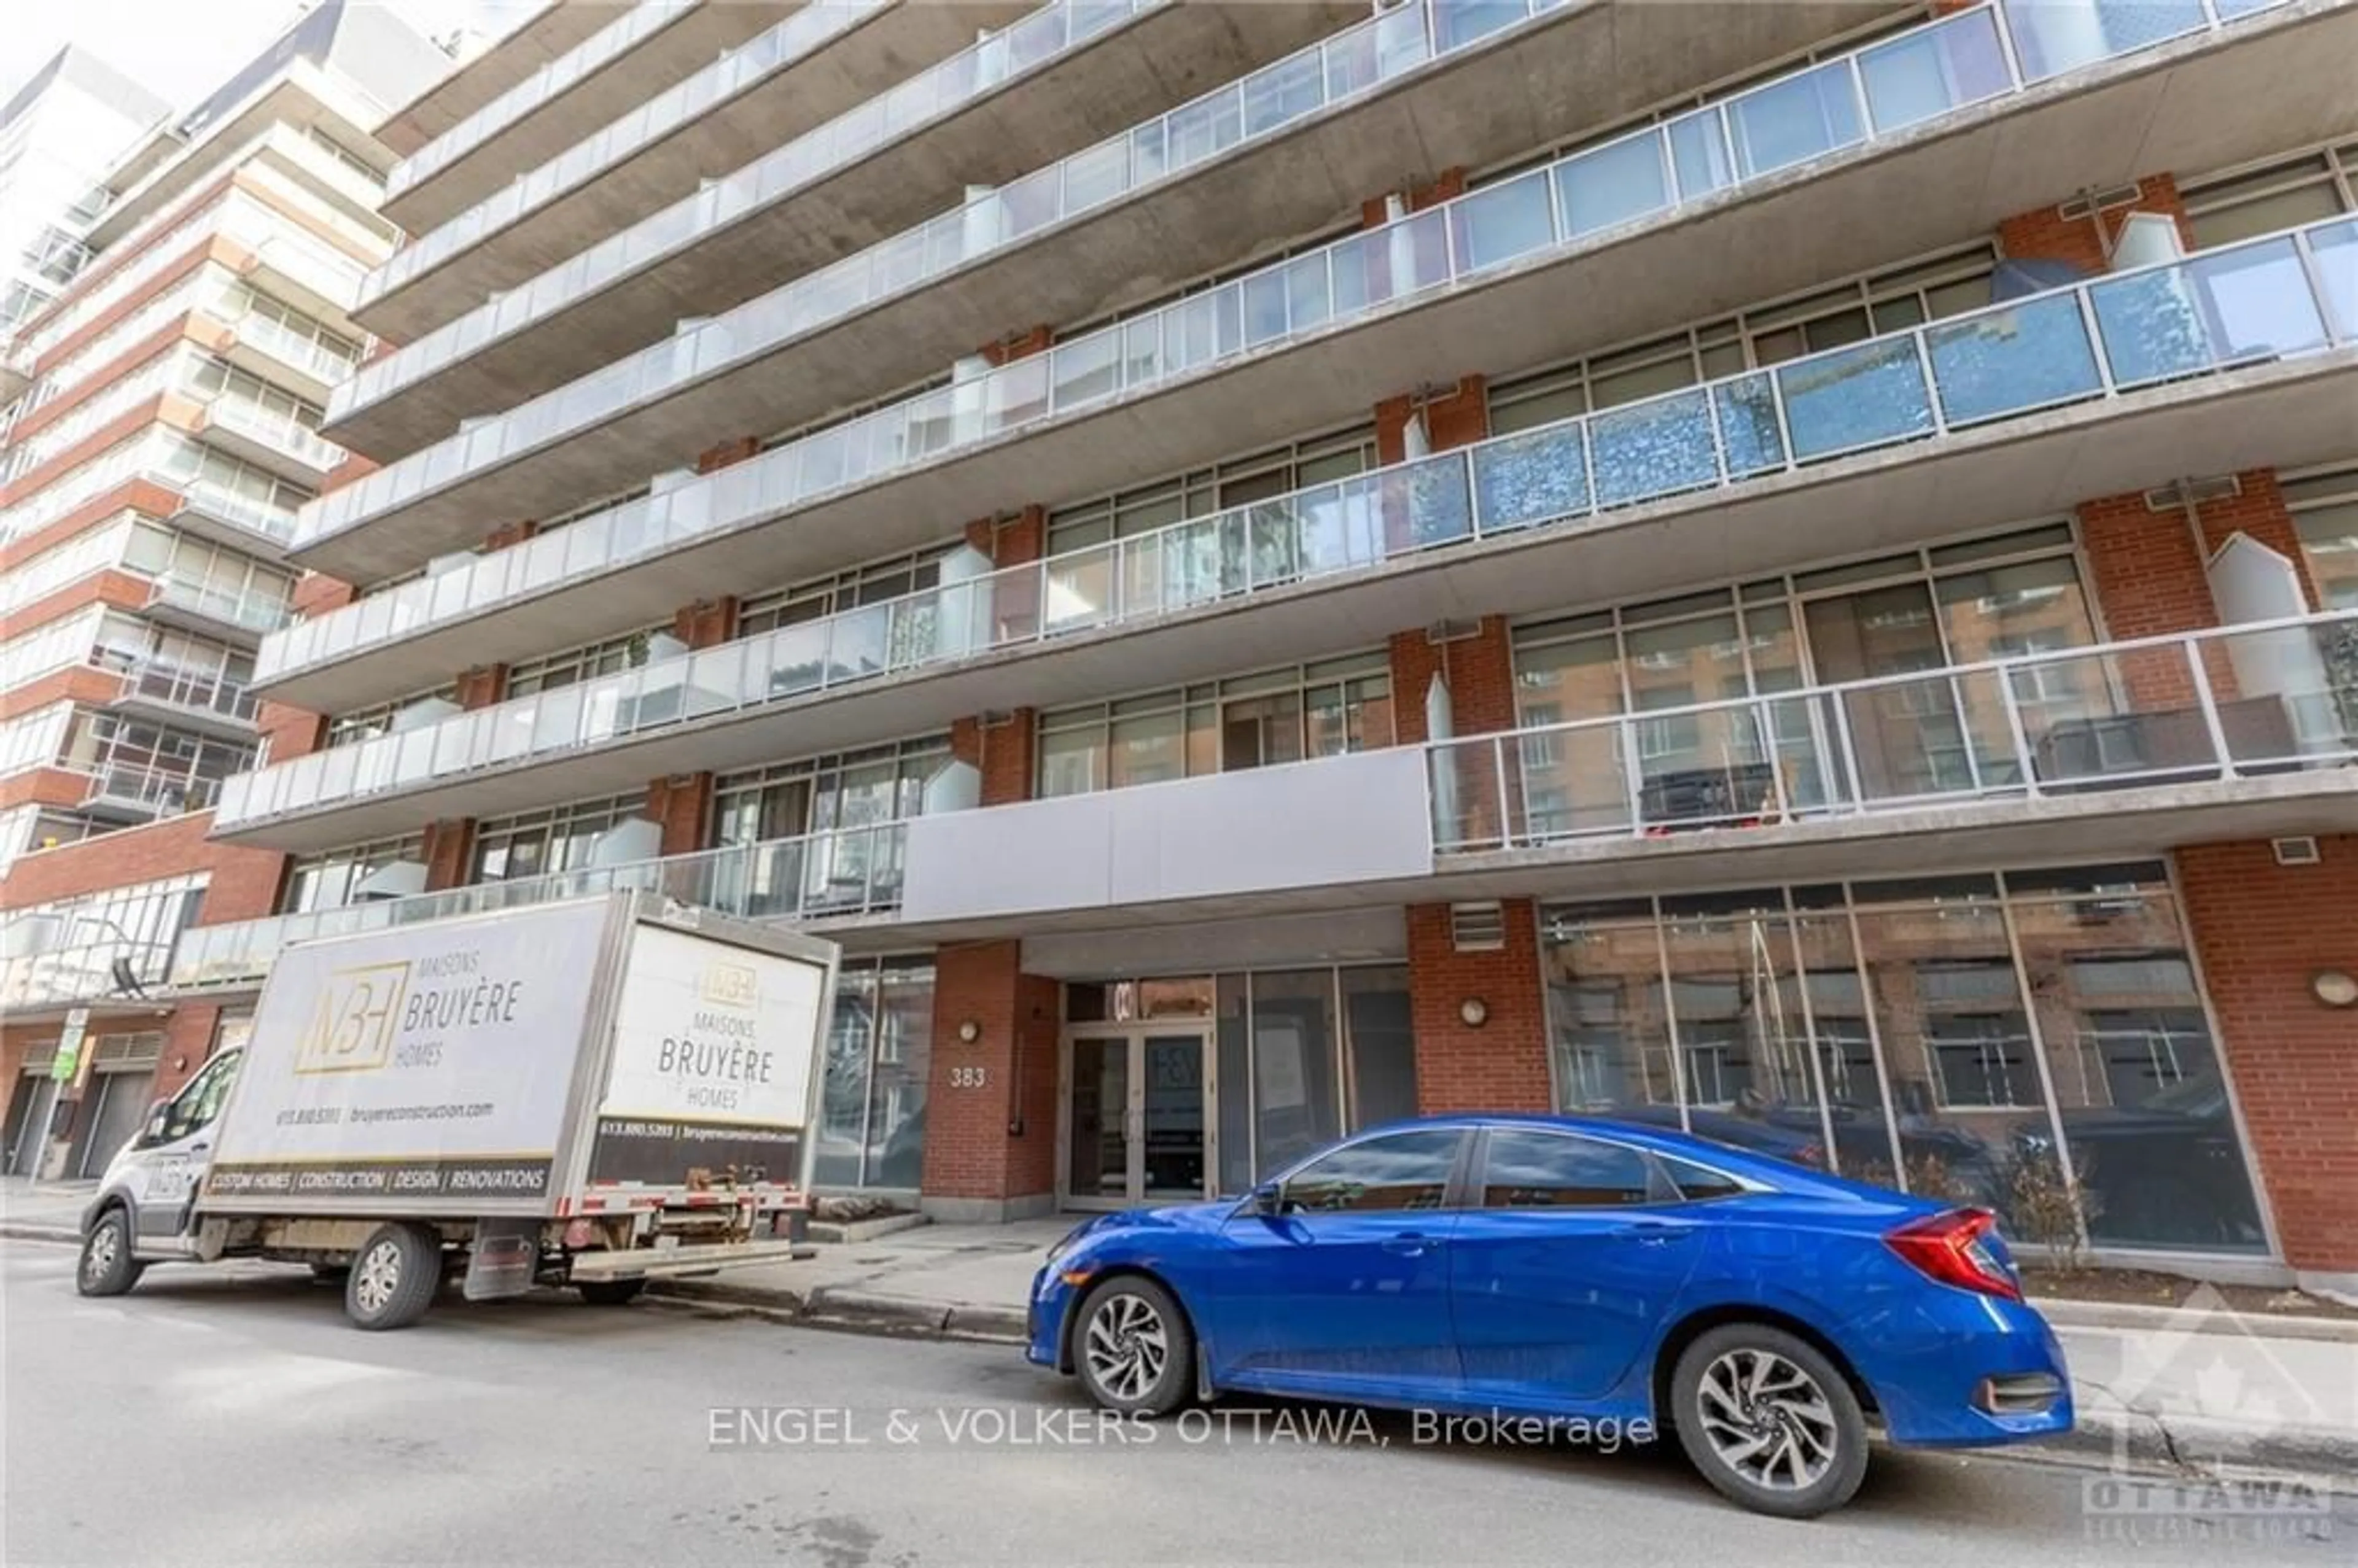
<point x="2145" y="1441"/>
<point x="854" y="1310"/>
<point x="2133" y="1318"/>
<point x="853" y="1232"/>
<point x="20" y="1230"/>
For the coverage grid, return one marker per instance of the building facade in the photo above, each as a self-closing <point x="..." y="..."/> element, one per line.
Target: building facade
<point x="1785" y="570"/>
<point x="160" y="434"/>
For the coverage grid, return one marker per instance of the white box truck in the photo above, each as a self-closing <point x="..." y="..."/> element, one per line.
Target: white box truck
<point x="590" y="1093"/>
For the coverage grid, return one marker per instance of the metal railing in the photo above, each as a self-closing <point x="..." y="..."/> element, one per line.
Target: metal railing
<point x="273" y="523"/>
<point x="64" y="977"/>
<point x="849" y="871"/>
<point x="302" y="352"/>
<point x="631" y="27"/>
<point x="741" y="67"/>
<point x="164" y="791"/>
<point x="280" y="432"/>
<point x="177" y="686"/>
<point x="2237" y="702"/>
<point x="1355" y="61"/>
<point x="254" y="611"/>
<point x="1854" y="100"/>
<point x="2283" y="295"/>
<point x="931" y="93"/>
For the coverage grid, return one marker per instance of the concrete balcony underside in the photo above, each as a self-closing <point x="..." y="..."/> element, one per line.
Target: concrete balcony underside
<point x="842" y="73"/>
<point x="556" y="29"/>
<point x="1572" y="70"/>
<point x="1154" y="61"/>
<point x="2118" y="825"/>
<point x="2282" y="415"/>
<point x="697" y="37"/>
<point x="1831" y="218"/>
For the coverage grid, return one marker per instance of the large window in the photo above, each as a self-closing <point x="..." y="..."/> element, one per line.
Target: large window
<point x="2034" y="1042"/>
<point x="332" y="879"/>
<point x="2325" y="517"/>
<point x="871" y="1130"/>
<point x="822" y="794"/>
<point x="1249" y="721"/>
<point x="1202" y="492"/>
<point x="2261" y="200"/>
<point x="536" y="843"/>
<point x="1863" y="307"/>
<point x="1882" y="620"/>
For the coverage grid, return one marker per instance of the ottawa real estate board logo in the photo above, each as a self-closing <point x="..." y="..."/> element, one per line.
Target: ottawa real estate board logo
<point x="353" y="1023"/>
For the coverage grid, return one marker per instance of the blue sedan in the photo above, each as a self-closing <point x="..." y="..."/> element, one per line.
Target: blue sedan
<point x="1602" y="1278"/>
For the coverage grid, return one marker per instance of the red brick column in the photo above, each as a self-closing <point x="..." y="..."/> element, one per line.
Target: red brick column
<point x="682" y="805"/>
<point x="2149" y="572"/>
<point x="991" y="1104"/>
<point x="1005" y="750"/>
<point x="1447" y="186"/>
<point x="484" y="686"/>
<point x="449" y="853"/>
<point x="2044" y="234"/>
<point x="707" y="624"/>
<point x="1502" y="1065"/>
<point x="2263" y="931"/>
<point x="728" y="452"/>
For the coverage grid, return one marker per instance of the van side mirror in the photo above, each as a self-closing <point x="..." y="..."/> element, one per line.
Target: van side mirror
<point x="152" y="1130"/>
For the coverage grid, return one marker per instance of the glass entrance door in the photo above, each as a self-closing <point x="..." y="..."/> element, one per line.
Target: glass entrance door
<point x="1137" y="1114"/>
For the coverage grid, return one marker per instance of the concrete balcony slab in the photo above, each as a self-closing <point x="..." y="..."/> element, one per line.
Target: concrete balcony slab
<point x="687" y="39"/>
<point x="1830" y="217"/>
<point x="1161" y="57"/>
<point x="2287" y="415"/>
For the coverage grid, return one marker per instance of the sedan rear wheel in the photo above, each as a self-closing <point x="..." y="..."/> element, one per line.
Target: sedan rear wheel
<point x="1769" y="1420"/>
<point x="1133" y="1349"/>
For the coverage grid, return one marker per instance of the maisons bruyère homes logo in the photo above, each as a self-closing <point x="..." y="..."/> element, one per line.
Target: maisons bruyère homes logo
<point x="354" y="1019"/>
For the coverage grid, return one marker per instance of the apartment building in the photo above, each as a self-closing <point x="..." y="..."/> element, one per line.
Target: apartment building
<point x="56" y="134"/>
<point x="1788" y="569"/>
<point x="161" y="435"/>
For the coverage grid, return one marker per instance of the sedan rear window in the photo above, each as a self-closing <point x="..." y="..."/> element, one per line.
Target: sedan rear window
<point x="1556" y="1170"/>
<point x="1696" y="1183"/>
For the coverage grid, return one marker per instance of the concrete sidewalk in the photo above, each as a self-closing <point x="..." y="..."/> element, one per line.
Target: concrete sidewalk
<point x="2194" y="1388"/>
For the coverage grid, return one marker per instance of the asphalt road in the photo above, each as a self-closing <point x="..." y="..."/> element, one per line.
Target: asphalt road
<point x="229" y="1416"/>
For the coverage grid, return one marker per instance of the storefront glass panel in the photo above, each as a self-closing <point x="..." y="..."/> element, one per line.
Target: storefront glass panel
<point x="2034" y="1042"/>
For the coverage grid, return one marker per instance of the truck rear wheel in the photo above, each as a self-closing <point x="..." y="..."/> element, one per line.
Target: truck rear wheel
<point x="610" y="1293"/>
<point x="107" y="1267"/>
<point x="393" y="1277"/>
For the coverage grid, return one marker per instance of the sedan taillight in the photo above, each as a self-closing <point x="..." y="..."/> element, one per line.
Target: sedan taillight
<point x="1950" y="1248"/>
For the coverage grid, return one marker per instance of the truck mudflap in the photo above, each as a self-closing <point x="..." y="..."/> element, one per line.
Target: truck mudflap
<point x="660" y="1262"/>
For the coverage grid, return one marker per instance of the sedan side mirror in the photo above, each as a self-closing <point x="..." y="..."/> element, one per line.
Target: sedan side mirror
<point x="1269" y="1199"/>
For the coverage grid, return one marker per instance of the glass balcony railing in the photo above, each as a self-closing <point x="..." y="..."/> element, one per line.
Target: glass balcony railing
<point x="271" y="522"/>
<point x="2280" y="296"/>
<point x="282" y="433"/>
<point x="64" y="977"/>
<point x="252" y="611"/>
<point x="299" y="350"/>
<point x="624" y="33"/>
<point x="321" y="270"/>
<point x="158" y="792"/>
<point x="2270" y="697"/>
<point x="849" y="871"/>
<point x="929" y="95"/>
<point x="758" y="58"/>
<point x="1312" y="79"/>
<point x="176" y="685"/>
<point x="1853" y="100"/>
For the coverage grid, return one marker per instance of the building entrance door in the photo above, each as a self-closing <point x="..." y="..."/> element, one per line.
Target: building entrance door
<point x="1139" y="1115"/>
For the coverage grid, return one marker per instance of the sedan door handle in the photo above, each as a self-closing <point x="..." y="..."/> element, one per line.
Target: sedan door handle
<point x="1411" y="1243"/>
<point x="1651" y="1232"/>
